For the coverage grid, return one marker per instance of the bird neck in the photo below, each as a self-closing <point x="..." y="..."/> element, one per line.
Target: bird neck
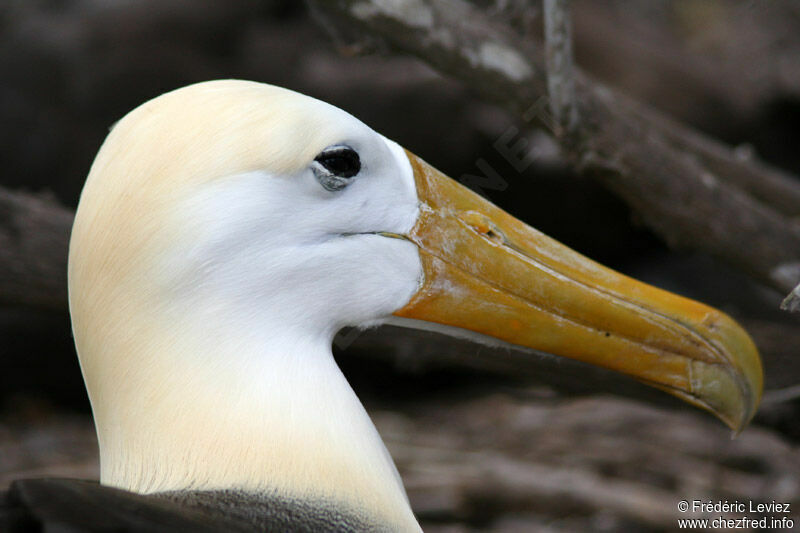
<point x="204" y="409"/>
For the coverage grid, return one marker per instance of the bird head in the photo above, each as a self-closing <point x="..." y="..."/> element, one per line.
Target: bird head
<point x="232" y="206"/>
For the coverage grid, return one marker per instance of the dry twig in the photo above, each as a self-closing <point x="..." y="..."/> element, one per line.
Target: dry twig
<point x="558" y="52"/>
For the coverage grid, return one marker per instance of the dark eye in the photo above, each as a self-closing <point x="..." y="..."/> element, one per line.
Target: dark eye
<point x="338" y="164"/>
<point x="340" y="160"/>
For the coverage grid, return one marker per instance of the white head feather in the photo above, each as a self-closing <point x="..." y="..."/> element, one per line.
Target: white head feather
<point x="208" y="273"/>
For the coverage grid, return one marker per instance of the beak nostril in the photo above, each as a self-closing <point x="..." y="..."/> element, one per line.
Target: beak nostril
<point x="483" y="225"/>
<point x="495" y="235"/>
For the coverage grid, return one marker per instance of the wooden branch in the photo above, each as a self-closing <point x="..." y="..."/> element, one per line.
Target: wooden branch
<point x="681" y="184"/>
<point x="558" y="53"/>
<point x="792" y="302"/>
<point x="769" y="185"/>
<point x="34" y="242"/>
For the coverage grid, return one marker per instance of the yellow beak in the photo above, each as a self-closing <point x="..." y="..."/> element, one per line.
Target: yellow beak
<point x="487" y="272"/>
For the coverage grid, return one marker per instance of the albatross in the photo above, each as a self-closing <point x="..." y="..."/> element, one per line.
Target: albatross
<point x="227" y="230"/>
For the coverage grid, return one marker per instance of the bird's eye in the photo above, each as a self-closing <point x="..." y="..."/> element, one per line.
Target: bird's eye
<point x="336" y="166"/>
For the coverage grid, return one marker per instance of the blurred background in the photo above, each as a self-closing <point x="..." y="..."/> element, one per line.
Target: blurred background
<point x="481" y="447"/>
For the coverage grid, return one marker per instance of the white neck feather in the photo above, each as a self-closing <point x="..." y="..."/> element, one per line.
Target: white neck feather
<point x="266" y="415"/>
